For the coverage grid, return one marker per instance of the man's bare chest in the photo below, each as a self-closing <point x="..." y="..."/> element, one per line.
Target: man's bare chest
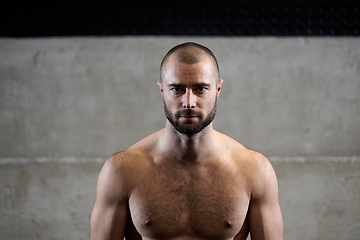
<point x="208" y="201"/>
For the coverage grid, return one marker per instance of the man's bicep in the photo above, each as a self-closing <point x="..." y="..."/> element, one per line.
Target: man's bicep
<point x="108" y="221"/>
<point x="265" y="222"/>
<point x="110" y="212"/>
<point x="264" y="216"/>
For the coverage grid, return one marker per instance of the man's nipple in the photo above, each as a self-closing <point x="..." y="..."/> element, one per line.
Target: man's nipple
<point x="148" y="222"/>
<point x="229" y="223"/>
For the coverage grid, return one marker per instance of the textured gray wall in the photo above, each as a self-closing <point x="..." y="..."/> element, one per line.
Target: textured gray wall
<point x="67" y="104"/>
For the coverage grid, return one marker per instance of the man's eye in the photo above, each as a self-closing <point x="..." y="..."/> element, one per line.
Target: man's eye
<point x="177" y="89"/>
<point x="201" y="89"/>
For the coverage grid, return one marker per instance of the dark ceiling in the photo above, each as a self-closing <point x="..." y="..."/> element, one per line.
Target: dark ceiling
<point x="180" y="17"/>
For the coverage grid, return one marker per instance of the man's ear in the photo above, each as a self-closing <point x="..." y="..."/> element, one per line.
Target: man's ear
<point x="218" y="87"/>
<point x="161" y="87"/>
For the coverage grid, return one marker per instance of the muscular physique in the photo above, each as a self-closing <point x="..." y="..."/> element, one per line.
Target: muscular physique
<point x="178" y="184"/>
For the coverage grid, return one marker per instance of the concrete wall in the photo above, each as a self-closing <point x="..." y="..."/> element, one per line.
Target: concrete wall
<point x="67" y="104"/>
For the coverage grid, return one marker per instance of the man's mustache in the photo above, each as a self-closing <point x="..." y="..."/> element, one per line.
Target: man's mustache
<point x="188" y="112"/>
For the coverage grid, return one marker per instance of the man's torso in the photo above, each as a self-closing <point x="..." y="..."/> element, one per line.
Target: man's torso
<point x="170" y="199"/>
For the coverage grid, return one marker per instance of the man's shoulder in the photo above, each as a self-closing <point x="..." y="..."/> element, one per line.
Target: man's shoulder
<point x="128" y="158"/>
<point x="254" y="167"/>
<point x="125" y="166"/>
<point x="249" y="155"/>
<point x="243" y="155"/>
<point x="137" y="152"/>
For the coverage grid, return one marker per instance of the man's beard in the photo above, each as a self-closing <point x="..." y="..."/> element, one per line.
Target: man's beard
<point x="181" y="127"/>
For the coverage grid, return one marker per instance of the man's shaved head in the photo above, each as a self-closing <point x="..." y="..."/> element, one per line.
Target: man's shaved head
<point x="190" y="53"/>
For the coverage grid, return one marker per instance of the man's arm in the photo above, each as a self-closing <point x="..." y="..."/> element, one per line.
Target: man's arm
<point x="110" y="213"/>
<point x="264" y="215"/>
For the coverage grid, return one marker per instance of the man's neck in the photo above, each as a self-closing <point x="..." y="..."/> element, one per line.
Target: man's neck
<point x="188" y="148"/>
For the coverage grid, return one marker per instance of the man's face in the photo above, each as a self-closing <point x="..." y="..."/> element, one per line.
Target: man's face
<point x="187" y="126"/>
<point x="190" y="93"/>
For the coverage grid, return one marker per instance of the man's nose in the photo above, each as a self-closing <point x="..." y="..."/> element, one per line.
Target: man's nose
<point x="189" y="99"/>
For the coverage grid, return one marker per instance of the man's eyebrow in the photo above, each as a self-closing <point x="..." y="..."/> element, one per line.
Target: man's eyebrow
<point x="175" y="85"/>
<point x="183" y="85"/>
<point x="202" y="84"/>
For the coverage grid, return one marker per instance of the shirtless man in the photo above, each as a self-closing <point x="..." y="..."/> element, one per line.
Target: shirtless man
<point x="187" y="181"/>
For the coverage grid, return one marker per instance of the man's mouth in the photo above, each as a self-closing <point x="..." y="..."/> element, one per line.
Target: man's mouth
<point x="188" y="117"/>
